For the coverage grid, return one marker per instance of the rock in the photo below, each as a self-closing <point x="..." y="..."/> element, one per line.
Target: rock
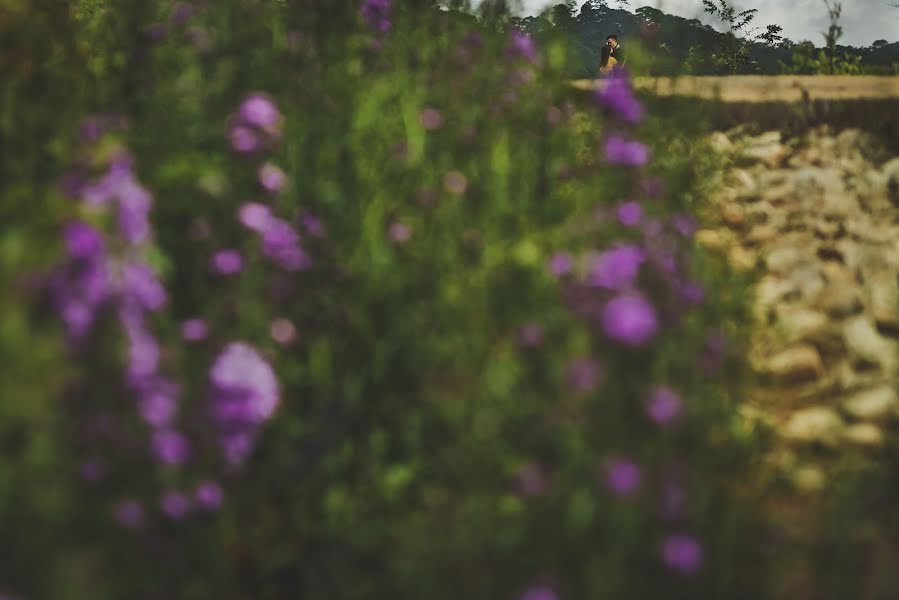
<point x="873" y="404"/>
<point x="809" y="479"/>
<point x="891" y="174"/>
<point x="841" y="295"/>
<point x="827" y="229"/>
<point x="809" y="179"/>
<point x="882" y="293"/>
<point x="801" y="324"/>
<point x="866" y="345"/>
<point x="761" y="234"/>
<point x="742" y="179"/>
<point x="742" y="260"/>
<point x="796" y="364"/>
<point x="817" y="424"/>
<point x="783" y="259"/>
<point x="711" y="239"/>
<point x="809" y="281"/>
<point x="721" y="143"/>
<point x="863" y="435"/>
<point x="734" y="215"/>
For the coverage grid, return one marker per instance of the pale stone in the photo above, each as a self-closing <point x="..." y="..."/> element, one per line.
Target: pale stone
<point x="840" y="296"/>
<point x="867" y="345"/>
<point x="711" y="239"/>
<point x="882" y="291"/>
<point x="874" y="404"/>
<point x="799" y="363"/>
<point x="864" y="435"/>
<point x="809" y="479"/>
<point x="815" y="424"/>
<point x="742" y="260"/>
<point x="734" y="215"/>
<point x="801" y="324"/>
<point x="720" y="142"/>
<point x="761" y="234"/>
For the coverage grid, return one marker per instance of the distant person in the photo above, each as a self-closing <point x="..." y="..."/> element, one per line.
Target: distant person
<point x="611" y="57"/>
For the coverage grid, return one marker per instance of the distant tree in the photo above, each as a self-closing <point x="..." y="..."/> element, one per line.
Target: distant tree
<point x="879" y="43"/>
<point x="833" y="34"/>
<point x="735" y="45"/>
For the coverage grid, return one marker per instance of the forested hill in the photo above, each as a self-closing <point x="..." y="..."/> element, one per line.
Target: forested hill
<point x="689" y="46"/>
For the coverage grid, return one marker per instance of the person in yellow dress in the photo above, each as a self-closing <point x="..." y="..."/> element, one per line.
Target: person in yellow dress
<point x="611" y="56"/>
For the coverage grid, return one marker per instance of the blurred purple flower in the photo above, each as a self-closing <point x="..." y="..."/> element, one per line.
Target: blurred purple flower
<point x="134" y="212"/>
<point x="618" y="96"/>
<point x="540" y="592"/>
<point x="227" y="262"/>
<point x="399" y="232"/>
<point x="194" y="329"/>
<point x="175" y="505"/>
<point x="281" y="243"/>
<point x="430" y="118"/>
<point x="254" y="215"/>
<point x="82" y="241"/>
<point x="237" y="446"/>
<point x="532" y="479"/>
<point x="312" y="224"/>
<point x="584" y="375"/>
<point x="129" y="514"/>
<point x="620" y="151"/>
<point x="156" y="32"/>
<point x="181" y="13"/>
<point x="615" y="269"/>
<point x="682" y="552"/>
<point x="272" y="178"/>
<point x="630" y="213"/>
<point x="158" y="405"/>
<point x="685" y="225"/>
<point x="141" y="286"/>
<point x="91" y="129"/>
<point x="664" y="405"/>
<point x="530" y="335"/>
<point x="691" y="292"/>
<point x="560" y="264"/>
<point x="623" y="476"/>
<point x="208" y="495"/>
<point x="630" y="319"/>
<point x="245" y="386"/>
<point x="143" y="354"/>
<point x="244" y="139"/>
<point x="521" y="45"/>
<point x="376" y="14"/>
<point x="282" y="331"/>
<point x="259" y="110"/>
<point x="170" y="447"/>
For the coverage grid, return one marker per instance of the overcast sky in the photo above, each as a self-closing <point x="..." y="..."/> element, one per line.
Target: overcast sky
<point x="863" y="21"/>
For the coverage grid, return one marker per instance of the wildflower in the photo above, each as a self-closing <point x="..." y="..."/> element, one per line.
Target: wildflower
<point x="158" y="404"/>
<point x="630" y="319"/>
<point x="143" y="353"/>
<point x="530" y="335"/>
<point x="281" y="243"/>
<point x="244" y="139"/>
<point x="623" y="476"/>
<point x="682" y="552"/>
<point x="141" y="286"/>
<point x="181" y="13"/>
<point x="272" y="178"/>
<point x="175" y="505"/>
<point x="244" y="384"/>
<point x="254" y="215"/>
<point x="82" y="241"/>
<point x="430" y="119"/>
<point x="208" y="495"/>
<point x="584" y="375"/>
<point x="685" y="225"/>
<point x="282" y="331"/>
<point x="615" y="269"/>
<point x="399" y="232"/>
<point x="618" y="96"/>
<point x="560" y="264"/>
<point x="312" y="224"/>
<point x="194" y="329"/>
<point x="129" y="514"/>
<point x="376" y="14"/>
<point x="664" y="405"/>
<point x="540" y="592"/>
<point x="260" y="111"/>
<point x="521" y="45"/>
<point x="623" y="152"/>
<point x="630" y="213"/>
<point x="227" y="262"/>
<point x="170" y="447"/>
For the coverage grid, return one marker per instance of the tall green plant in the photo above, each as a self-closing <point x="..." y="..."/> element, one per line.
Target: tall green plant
<point x="735" y="45"/>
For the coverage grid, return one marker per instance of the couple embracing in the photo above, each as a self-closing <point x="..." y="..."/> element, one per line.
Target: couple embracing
<point x="612" y="56"/>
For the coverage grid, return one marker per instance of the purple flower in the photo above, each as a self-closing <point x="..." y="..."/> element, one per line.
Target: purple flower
<point x="244" y="139"/>
<point x="560" y="264"/>
<point x="237" y="446"/>
<point x="713" y="353"/>
<point x="615" y="269"/>
<point x="254" y="215"/>
<point x="630" y="213"/>
<point x="109" y="186"/>
<point x="82" y="241"/>
<point x="683" y="553"/>
<point x="259" y="110"/>
<point x="141" y="286"/>
<point x="584" y="375"/>
<point x="175" y="505"/>
<point x="623" y="476"/>
<point x="618" y="96"/>
<point x="134" y="211"/>
<point x="430" y="118"/>
<point x="245" y="384"/>
<point x="692" y="292"/>
<point x="170" y="447"/>
<point x="532" y="480"/>
<point x="158" y="403"/>
<point x="521" y="45"/>
<point x="664" y="405"/>
<point x="282" y="331"/>
<point x="630" y="319"/>
<point x="129" y="514"/>
<point x="312" y="224"/>
<point x="143" y="353"/>
<point x="272" y="178"/>
<point x="227" y="262"/>
<point x="685" y="225"/>
<point x="281" y="243"/>
<point x="530" y="335"/>
<point x="376" y="14"/>
<point x="399" y="232"/>
<point x="194" y="330"/>
<point x="208" y="495"/>
<point x="620" y="151"/>
<point x="181" y="13"/>
<point x="539" y="592"/>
